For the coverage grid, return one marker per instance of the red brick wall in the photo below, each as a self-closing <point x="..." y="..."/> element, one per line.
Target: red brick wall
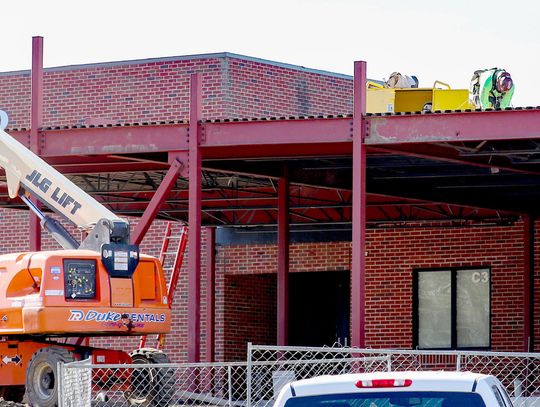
<point x="159" y="90"/>
<point x="536" y="296"/>
<point x="268" y="90"/>
<point x="248" y="314"/>
<point x="392" y="256"/>
<point x="114" y="94"/>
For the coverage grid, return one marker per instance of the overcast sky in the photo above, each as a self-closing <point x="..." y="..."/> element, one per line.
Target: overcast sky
<point x="434" y="40"/>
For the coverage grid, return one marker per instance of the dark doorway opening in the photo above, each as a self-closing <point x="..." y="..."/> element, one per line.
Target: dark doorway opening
<point x="319" y="308"/>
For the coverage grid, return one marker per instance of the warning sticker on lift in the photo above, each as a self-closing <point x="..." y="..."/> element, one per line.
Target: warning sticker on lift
<point x="121" y="260"/>
<point x="54" y="293"/>
<point x="11" y="359"/>
<point x="56" y="270"/>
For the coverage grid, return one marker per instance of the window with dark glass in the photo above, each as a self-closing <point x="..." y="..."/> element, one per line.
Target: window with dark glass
<point x="452" y="308"/>
<point x="386" y="399"/>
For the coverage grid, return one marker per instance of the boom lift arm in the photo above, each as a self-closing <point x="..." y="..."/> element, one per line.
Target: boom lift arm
<point x="29" y="175"/>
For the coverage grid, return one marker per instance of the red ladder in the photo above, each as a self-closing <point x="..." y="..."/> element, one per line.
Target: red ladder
<point x="172" y="264"/>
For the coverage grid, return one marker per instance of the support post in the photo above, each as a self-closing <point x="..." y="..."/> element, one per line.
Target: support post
<point x="36" y="122"/>
<point x="528" y="283"/>
<point x="156" y="202"/>
<point x="210" y="292"/>
<point x="195" y="220"/>
<point x="358" y="209"/>
<point x="283" y="262"/>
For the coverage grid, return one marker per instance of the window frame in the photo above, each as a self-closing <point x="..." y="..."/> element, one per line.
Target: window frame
<point x="453" y="304"/>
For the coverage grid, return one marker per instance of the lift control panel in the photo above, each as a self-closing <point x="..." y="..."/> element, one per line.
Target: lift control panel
<point x="80" y="278"/>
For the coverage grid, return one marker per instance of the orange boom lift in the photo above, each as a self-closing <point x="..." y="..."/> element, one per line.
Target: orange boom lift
<point x="102" y="286"/>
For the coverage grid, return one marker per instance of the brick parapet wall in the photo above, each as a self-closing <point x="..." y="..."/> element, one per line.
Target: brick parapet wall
<point x="159" y="91"/>
<point x="267" y="90"/>
<point x="108" y="94"/>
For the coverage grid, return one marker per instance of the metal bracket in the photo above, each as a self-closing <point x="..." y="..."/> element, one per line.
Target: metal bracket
<point x="98" y="236"/>
<point x="367" y="128"/>
<point x="203" y="134"/>
<point x="105" y="232"/>
<point x="41" y="140"/>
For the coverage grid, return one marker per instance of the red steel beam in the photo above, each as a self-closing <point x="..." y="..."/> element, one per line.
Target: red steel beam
<point x="115" y="140"/>
<point x="35" y="124"/>
<point x="454" y="127"/>
<point x="252" y="133"/>
<point x="37" y="93"/>
<point x="358" y="209"/>
<point x="308" y="136"/>
<point x="302" y="137"/>
<point x="156" y="202"/>
<point x="195" y="220"/>
<point x="283" y="263"/>
<point x="210" y="292"/>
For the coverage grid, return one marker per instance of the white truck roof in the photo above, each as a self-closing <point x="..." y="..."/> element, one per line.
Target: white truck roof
<point x="421" y="381"/>
<point x="442" y="382"/>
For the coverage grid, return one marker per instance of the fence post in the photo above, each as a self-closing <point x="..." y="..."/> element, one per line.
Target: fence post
<point x="389" y="362"/>
<point x="60" y="383"/>
<point x="458" y="362"/>
<point x="248" y="374"/>
<point x="229" y="381"/>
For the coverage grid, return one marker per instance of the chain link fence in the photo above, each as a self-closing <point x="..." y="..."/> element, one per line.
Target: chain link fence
<point x="159" y="385"/>
<point x="256" y="382"/>
<point x="200" y="384"/>
<point x="271" y="367"/>
<point x="518" y="372"/>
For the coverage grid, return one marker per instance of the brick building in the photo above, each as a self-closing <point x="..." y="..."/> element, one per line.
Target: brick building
<point x="407" y="303"/>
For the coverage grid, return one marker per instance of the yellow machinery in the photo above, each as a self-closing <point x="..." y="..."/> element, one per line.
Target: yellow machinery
<point x="388" y="100"/>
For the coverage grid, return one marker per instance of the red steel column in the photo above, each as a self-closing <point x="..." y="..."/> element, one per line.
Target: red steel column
<point x="156" y="202"/>
<point x="194" y="221"/>
<point x="283" y="263"/>
<point x="210" y="292"/>
<point x="35" y="124"/>
<point x="358" y="296"/>
<point x="528" y="284"/>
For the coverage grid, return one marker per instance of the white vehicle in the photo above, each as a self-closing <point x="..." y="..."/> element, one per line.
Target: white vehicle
<point x="388" y="389"/>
